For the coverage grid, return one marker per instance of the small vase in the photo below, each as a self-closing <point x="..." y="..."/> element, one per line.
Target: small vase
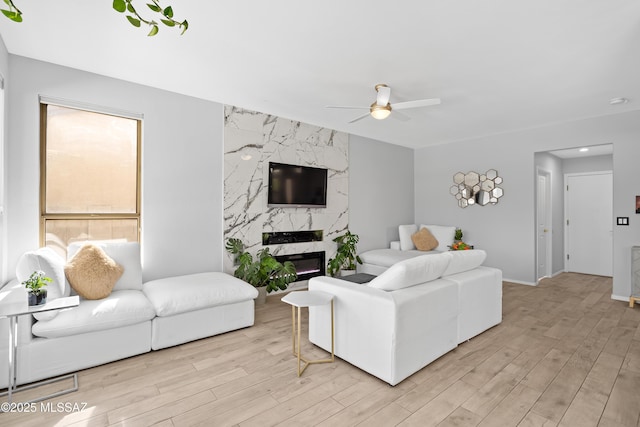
<point x="38" y="299"/>
<point x="262" y="295"/>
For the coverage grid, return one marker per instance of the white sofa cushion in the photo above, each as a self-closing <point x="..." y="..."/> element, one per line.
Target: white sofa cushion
<point x="411" y="272"/>
<point x="126" y="254"/>
<point x="175" y="295"/>
<point x="405" y="232"/>
<point x="464" y="261"/>
<point x="121" y="308"/>
<point x="388" y="257"/>
<point x="444" y="235"/>
<point x="52" y="264"/>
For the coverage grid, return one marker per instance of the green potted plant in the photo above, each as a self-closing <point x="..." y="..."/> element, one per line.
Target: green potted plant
<point x="265" y="272"/>
<point x="36" y="288"/>
<point x="346" y="255"/>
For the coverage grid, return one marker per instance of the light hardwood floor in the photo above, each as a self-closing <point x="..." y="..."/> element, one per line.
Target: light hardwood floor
<point x="564" y="355"/>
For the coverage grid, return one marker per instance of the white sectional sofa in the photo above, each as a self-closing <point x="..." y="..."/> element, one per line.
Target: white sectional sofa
<point x="412" y="313"/>
<point x="133" y="319"/>
<point x="376" y="261"/>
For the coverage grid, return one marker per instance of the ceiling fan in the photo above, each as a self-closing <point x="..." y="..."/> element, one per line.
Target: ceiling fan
<point x="381" y="109"/>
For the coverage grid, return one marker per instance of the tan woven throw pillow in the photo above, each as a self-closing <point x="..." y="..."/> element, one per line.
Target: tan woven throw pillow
<point x="92" y="273"/>
<point x="424" y="240"/>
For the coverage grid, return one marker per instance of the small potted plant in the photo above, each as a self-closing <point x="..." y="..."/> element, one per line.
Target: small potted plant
<point x="346" y="256"/>
<point x="36" y="288"/>
<point x="459" y="244"/>
<point x="265" y="273"/>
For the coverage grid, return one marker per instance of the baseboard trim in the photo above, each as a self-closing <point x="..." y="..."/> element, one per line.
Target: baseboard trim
<point x="619" y="298"/>
<point x="519" y="282"/>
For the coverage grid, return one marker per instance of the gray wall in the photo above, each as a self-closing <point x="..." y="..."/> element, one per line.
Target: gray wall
<point x="381" y="191"/>
<point x="507" y="230"/>
<point x="588" y="164"/>
<point x="181" y="164"/>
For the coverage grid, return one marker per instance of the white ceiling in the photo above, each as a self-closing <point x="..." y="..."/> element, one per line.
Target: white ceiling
<point x="497" y="65"/>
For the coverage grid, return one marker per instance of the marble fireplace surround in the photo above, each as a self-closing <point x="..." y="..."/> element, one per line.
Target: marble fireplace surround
<point x="251" y="141"/>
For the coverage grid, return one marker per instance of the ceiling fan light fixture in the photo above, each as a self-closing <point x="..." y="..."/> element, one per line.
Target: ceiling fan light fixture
<point x="618" y="101"/>
<point x="380" y="112"/>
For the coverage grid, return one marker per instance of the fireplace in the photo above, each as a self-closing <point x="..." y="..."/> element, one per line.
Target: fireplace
<point x="308" y="265"/>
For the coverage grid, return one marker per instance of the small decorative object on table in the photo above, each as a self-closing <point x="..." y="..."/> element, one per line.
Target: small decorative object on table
<point x="35" y="285"/>
<point x="458" y="244"/>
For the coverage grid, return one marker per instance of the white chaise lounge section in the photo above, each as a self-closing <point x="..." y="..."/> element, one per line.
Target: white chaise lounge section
<point x="196" y="306"/>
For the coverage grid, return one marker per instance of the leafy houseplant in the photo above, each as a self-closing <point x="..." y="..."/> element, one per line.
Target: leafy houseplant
<point x="35" y="285"/>
<point x="346" y="256"/>
<point x="458" y="234"/>
<point x="265" y="271"/>
<point x="135" y="18"/>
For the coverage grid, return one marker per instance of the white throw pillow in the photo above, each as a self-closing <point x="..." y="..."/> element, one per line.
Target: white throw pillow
<point x="411" y="272"/>
<point x="126" y="254"/>
<point x="444" y="235"/>
<point x="464" y="261"/>
<point x="52" y="264"/>
<point x="405" y="232"/>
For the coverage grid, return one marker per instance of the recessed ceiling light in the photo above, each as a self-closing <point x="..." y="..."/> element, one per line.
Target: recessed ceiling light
<point x="583" y="150"/>
<point x="246" y="157"/>
<point x="617" y="101"/>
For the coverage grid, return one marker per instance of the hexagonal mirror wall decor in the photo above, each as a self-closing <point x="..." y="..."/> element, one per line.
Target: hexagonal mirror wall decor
<point x="473" y="188"/>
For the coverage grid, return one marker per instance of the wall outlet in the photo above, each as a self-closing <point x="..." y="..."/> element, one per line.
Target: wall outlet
<point x="622" y="220"/>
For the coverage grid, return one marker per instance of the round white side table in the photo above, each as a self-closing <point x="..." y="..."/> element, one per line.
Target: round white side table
<point x="300" y="299"/>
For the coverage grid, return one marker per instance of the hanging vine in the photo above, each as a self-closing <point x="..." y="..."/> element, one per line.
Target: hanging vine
<point x="163" y="14"/>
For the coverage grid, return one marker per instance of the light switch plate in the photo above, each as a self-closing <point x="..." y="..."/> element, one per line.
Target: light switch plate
<point x="622" y="220"/>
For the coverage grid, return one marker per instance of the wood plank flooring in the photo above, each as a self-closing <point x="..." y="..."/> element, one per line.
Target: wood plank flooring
<point x="564" y="355"/>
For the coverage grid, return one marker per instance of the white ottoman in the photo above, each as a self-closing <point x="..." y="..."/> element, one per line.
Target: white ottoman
<point x="197" y="306"/>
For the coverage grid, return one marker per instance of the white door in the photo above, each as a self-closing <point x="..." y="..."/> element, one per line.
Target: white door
<point x="589" y="223"/>
<point x="543" y="218"/>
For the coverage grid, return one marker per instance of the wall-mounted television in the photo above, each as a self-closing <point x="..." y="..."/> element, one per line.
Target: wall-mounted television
<point x="297" y="186"/>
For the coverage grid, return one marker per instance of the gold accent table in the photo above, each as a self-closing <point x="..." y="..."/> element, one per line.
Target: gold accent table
<point x="300" y="299"/>
<point x="14" y="310"/>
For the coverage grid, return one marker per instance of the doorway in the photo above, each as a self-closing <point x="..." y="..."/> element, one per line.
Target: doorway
<point x="543" y="224"/>
<point x="550" y="170"/>
<point x="589" y="223"/>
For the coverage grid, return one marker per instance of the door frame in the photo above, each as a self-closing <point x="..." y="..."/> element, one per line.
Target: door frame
<point x="564" y="221"/>
<point x="548" y="220"/>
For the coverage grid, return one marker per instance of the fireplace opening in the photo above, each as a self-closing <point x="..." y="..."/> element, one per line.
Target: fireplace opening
<point x="308" y="265"/>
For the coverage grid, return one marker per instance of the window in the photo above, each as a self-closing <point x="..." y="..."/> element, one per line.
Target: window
<point x="90" y="176"/>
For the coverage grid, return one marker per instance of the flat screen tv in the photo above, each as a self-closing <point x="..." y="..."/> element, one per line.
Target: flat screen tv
<point x="297" y="186"/>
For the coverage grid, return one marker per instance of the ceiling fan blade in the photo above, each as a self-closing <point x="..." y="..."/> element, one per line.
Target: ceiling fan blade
<point x="359" y="118"/>
<point x="400" y="116"/>
<point x="347" y="107"/>
<point x="384" y="93"/>
<point x="415" y="104"/>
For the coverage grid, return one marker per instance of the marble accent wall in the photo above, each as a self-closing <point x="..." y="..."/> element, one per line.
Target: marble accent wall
<point x="251" y="141"/>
